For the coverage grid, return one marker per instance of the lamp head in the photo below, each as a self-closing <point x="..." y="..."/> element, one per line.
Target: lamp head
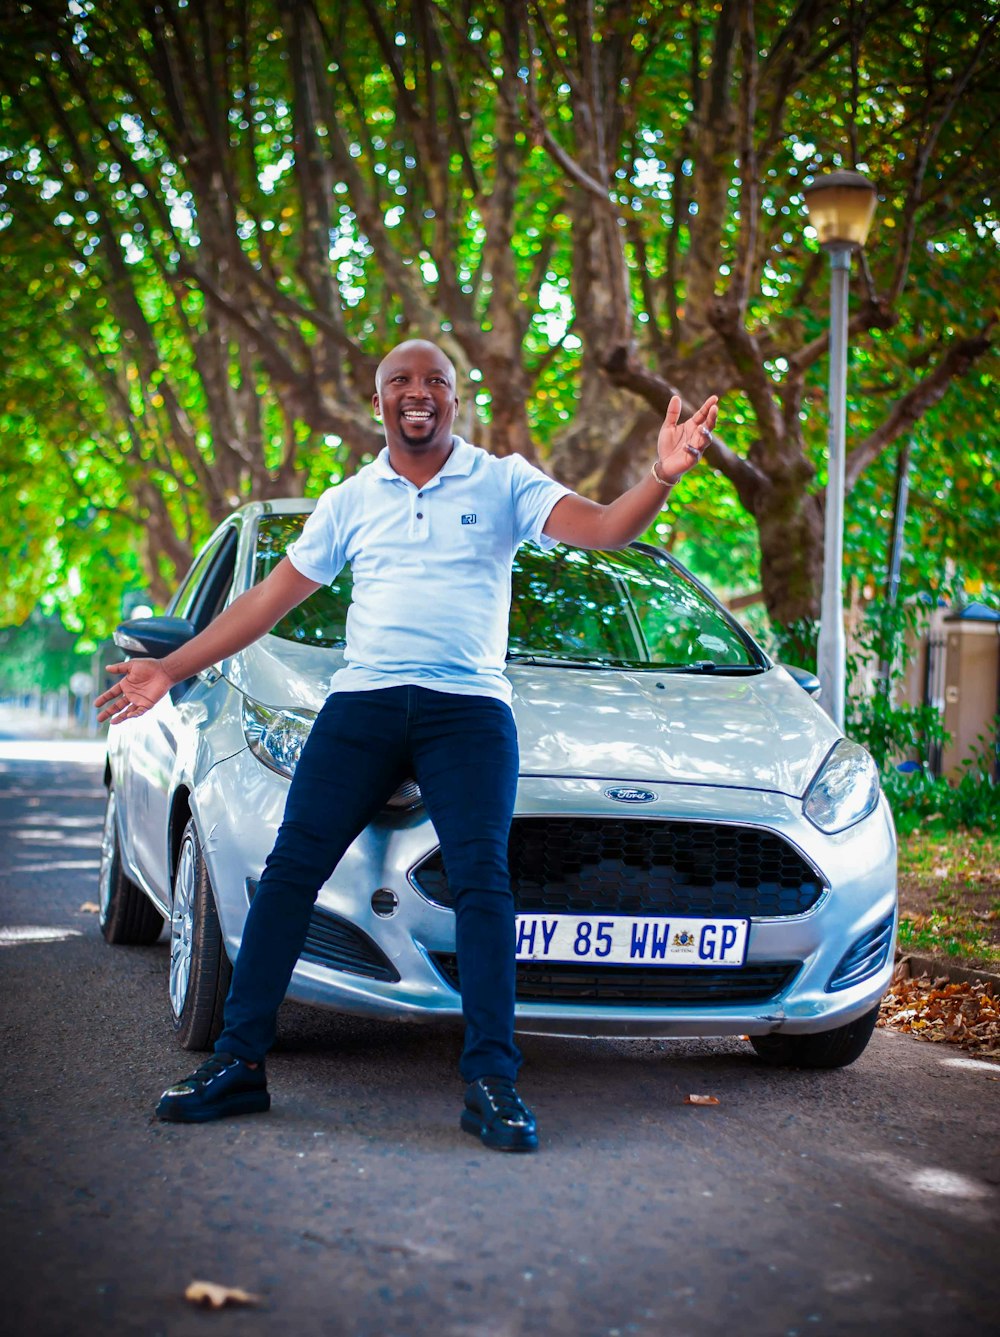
<point x="841" y="207"/>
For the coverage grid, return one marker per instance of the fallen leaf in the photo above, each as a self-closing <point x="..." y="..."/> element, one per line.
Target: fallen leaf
<point x="701" y="1100"/>
<point x="963" y="1012"/>
<point x="90" y="908"/>
<point x="212" y="1296"/>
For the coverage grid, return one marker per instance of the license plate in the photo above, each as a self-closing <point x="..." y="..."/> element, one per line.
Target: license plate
<point x="632" y="940"/>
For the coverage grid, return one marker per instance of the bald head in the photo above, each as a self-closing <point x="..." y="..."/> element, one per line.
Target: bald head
<point x="415" y="398"/>
<point x="414" y="346"/>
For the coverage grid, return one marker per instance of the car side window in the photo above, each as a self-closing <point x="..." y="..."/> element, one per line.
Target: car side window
<point x="204" y="591"/>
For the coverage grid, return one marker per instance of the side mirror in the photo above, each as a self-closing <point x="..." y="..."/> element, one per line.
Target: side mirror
<point x="153" y="637"/>
<point x="806" y="680"/>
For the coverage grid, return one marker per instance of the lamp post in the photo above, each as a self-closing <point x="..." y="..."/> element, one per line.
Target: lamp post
<point x="841" y="206"/>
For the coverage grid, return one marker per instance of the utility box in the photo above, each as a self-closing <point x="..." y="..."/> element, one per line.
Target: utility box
<point x="971" y="686"/>
<point x="953" y="664"/>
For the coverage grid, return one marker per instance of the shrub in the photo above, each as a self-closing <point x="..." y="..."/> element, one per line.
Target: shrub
<point x="902" y="738"/>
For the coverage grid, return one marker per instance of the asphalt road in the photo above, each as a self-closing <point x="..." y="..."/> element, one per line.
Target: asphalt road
<point x="859" y="1201"/>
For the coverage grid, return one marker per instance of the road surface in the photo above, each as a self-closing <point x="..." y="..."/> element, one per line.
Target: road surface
<point x="859" y="1201"/>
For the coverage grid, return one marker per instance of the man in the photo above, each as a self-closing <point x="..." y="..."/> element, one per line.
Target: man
<point x="430" y="529"/>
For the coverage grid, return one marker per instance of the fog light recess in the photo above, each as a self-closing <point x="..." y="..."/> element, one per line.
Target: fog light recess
<point x="867" y="957"/>
<point x="385" y="903"/>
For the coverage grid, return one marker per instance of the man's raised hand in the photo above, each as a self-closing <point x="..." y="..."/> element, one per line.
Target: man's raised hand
<point x="680" y="445"/>
<point x="143" y="683"/>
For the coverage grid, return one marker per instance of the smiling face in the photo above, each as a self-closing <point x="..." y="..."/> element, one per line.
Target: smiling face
<point x="415" y="394"/>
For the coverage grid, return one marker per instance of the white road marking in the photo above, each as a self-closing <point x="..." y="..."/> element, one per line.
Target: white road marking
<point x="12" y="937"/>
<point x="56" y="864"/>
<point x="53" y="749"/>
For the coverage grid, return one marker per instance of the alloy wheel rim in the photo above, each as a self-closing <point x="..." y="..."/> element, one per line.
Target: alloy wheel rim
<point x="182" y="929"/>
<point x="108" y="846"/>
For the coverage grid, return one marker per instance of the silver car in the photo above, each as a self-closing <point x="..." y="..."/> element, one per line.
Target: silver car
<point x="696" y="849"/>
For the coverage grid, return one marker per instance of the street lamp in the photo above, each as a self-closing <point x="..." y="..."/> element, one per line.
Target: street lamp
<point x="841" y="206"/>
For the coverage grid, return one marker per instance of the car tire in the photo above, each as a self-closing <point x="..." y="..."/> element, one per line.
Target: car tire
<point x="826" y="1049"/>
<point x="125" y="913"/>
<point x="199" y="967"/>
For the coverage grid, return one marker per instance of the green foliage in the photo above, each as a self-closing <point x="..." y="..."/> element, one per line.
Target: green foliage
<point x="39" y="656"/>
<point x="793" y="643"/>
<point x="204" y="255"/>
<point x="891" y="732"/>
<point x="971" y="802"/>
<point x="902" y="737"/>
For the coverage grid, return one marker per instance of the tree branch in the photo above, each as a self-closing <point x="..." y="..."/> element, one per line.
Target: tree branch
<point x="746" y="246"/>
<point x="743" y="349"/>
<point x="917" y="401"/>
<point x="625" y="371"/>
<point x="874" y="315"/>
<point x="716" y="149"/>
<point x="923" y="157"/>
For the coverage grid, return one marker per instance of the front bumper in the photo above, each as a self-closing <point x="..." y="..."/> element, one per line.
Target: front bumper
<point x="859" y="866"/>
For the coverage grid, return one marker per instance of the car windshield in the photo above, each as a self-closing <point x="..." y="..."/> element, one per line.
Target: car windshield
<point x="571" y="606"/>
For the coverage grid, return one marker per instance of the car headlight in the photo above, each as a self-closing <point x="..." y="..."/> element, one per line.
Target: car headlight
<point x="276" y="736"/>
<point x="844" y="789"/>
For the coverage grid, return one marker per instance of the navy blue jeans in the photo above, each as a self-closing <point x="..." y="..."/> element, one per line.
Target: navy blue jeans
<point x="462" y="750"/>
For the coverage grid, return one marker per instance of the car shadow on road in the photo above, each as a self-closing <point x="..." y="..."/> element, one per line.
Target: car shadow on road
<point x="398" y="1084"/>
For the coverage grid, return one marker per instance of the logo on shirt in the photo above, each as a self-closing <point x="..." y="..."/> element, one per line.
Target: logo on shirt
<point x="468" y="519"/>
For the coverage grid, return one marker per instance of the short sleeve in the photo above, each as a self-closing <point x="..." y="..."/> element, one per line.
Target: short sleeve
<point x="318" y="552"/>
<point x="533" y="494"/>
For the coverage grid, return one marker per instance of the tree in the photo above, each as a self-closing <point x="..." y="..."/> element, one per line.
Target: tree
<point x="237" y="205"/>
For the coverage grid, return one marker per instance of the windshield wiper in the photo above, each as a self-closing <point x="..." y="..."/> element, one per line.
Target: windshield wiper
<point x="636" y="665"/>
<point x="552" y="661"/>
<point x="710" y="666"/>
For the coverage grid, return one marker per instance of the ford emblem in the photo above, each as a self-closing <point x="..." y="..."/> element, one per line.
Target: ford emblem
<point x="623" y="794"/>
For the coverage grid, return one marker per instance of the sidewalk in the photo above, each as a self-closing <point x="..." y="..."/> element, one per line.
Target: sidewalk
<point x="29" y="735"/>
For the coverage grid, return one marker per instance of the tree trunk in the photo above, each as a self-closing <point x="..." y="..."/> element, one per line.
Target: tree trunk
<point x="790" y="526"/>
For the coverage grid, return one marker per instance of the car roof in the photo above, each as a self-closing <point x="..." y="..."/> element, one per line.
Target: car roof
<point x="276" y="506"/>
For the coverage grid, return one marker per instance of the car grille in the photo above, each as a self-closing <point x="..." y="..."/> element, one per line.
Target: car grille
<point x="334" y="942"/>
<point x="637" y="866"/>
<point x="639" y="986"/>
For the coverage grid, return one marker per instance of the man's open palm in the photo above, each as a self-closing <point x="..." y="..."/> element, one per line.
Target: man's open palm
<point x="143" y="683"/>
<point x="680" y="445"/>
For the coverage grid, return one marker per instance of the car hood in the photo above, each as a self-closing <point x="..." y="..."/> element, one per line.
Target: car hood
<point x="758" y="732"/>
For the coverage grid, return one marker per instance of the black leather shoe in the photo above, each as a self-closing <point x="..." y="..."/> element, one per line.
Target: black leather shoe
<point x="497" y="1115"/>
<point x="223" y="1085"/>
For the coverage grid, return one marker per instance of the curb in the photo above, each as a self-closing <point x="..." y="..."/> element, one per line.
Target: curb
<point x="936" y="967"/>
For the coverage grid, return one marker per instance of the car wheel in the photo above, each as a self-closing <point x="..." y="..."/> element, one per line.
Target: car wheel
<point x="199" y="967"/>
<point x="126" y="914"/>
<point x="826" y="1049"/>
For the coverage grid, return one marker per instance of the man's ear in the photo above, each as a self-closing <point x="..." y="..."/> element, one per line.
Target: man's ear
<point x="376" y="409"/>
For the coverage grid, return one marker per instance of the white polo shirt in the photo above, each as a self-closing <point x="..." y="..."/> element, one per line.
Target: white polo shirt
<point x="431" y="567"/>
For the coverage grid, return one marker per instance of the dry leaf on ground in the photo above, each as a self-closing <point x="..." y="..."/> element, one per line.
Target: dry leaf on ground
<point x="964" y="1013"/>
<point x="90" y="908"/>
<point x="213" y="1296"/>
<point x="701" y="1100"/>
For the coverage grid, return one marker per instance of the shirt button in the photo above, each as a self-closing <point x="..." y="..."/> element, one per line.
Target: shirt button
<point x="420" y="515"/>
<point x="420" y="494"/>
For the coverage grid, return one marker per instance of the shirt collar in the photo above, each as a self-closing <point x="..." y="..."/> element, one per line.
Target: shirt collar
<point x="459" y="462"/>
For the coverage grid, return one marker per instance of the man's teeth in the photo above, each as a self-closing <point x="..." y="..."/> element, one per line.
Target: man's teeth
<point x="416" y="415"/>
